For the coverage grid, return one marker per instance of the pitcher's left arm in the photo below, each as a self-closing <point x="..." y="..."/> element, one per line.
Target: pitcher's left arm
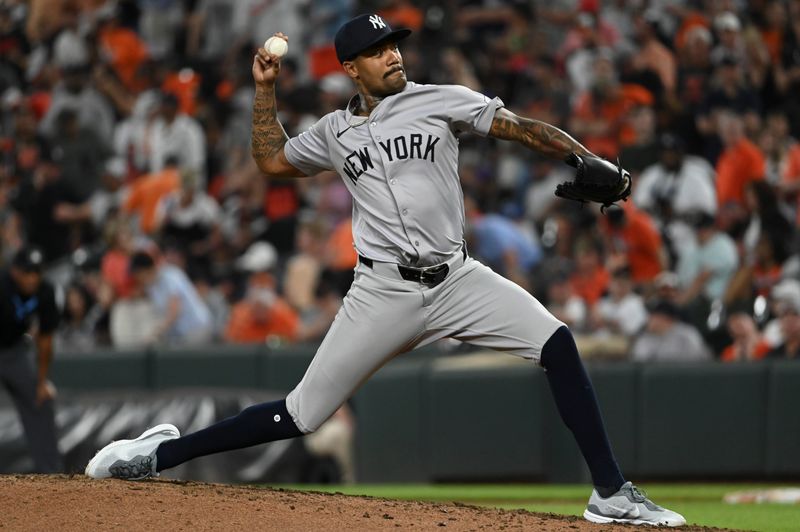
<point x="534" y="134"/>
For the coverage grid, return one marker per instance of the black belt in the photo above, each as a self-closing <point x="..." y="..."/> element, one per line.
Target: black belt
<point x="428" y="276"/>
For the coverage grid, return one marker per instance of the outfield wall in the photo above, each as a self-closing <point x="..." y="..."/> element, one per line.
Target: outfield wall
<point x="490" y="416"/>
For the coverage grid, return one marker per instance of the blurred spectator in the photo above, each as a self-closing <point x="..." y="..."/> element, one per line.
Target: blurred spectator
<point x="214" y="297"/>
<point x="787" y="70"/>
<point x="114" y="264"/>
<point x="16" y="48"/>
<point x="340" y="255"/>
<point x="694" y="68"/>
<point x="45" y="191"/>
<point x="781" y="152"/>
<point x="458" y="69"/>
<point x="262" y="314"/>
<point x="402" y="13"/>
<point x="210" y="29"/>
<point x="174" y="134"/>
<point x="564" y="304"/>
<point x="85" y="214"/>
<point x="304" y="268"/>
<point x="740" y="163"/>
<point x="183" y="317"/>
<point x="121" y="47"/>
<point x="147" y="191"/>
<point x="644" y="150"/>
<point x="667" y="339"/>
<point x="651" y="53"/>
<point x="633" y="241"/>
<point x="548" y="97"/>
<point x="160" y="24"/>
<point x="77" y="333"/>
<point x="590" y="280"/>
<point x="70" y="46"/>
<point x="190" y="219"/>
<point x="756" y="61"/>
<point x="766" y="217"/>
<point x="773" y="29"/>
<point x="133" y="322"/>
<point x="131" y="137"/>
<point x="502" y="244"/>
<point x="679" y="184"/>
<point x="600" y="115"/>
<point x="618" y="15"/>
<point x="728" y="29"/>
<point x="589" y="39"/>
<point x="316" y="321"/>
<point x="76" y="93"/>
<point x="82" y="156"/>
<point x="757" y="278"/>
<point x="748" y="344"/>
<point x="310" y="287"/>
<point x="184" y="83"/>
<point x="666" y="287"/>
<point x="539" y="198"/>
<point x="705" y="271"/>
<point x="787" y="300"/>
<point x="622" y="311"/>
<point x="731" y="91"/>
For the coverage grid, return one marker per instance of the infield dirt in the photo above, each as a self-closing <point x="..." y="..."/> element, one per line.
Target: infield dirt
<point x="76" y="503"/>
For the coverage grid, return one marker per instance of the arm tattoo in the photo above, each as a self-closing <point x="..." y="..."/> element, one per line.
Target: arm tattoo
<point x="536" y="135"/>
<point x="268" y="136"/>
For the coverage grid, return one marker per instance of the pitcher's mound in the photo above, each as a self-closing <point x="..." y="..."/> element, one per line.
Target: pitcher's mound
<point x="76" y="503"/>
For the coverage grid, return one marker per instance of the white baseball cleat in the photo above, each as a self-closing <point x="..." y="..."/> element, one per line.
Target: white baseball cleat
<point x="131" y="459"/>
<point x="629" y="505"/>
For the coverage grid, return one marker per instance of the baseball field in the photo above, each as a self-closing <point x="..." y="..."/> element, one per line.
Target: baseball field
<point x="75" y="503"/>
<point x="701" y="504"/>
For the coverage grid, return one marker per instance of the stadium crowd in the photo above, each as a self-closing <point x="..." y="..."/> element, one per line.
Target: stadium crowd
<point x="124" y="156"/>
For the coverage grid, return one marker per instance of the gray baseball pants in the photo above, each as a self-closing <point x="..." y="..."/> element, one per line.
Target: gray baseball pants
<point x="383" y="316"/>
<point x="18" y="376"/>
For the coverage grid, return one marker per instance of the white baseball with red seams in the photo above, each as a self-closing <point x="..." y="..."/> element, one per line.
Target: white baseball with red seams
<point x="276" y="46"/>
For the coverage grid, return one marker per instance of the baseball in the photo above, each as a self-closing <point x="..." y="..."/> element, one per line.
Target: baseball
<point x="276" y="46"/>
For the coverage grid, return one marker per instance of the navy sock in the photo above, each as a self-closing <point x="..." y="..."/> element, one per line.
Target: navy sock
<point x="577" y="404"/>
<point x="260" y="423"/>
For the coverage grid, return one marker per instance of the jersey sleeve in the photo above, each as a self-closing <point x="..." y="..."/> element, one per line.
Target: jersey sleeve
<point x="308" y="151"/>
<point x="469" y="111"/>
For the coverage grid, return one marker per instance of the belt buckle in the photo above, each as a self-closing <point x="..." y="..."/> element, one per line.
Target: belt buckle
<point x="434" y="275"/>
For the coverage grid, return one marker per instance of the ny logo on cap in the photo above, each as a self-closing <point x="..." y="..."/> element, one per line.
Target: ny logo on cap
<point x="377" y="22"/>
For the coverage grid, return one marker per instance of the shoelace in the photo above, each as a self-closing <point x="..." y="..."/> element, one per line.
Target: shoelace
<point x="639" y="495"/>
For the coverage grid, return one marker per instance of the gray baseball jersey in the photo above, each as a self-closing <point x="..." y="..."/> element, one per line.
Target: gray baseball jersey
<point x="401" y="167"/>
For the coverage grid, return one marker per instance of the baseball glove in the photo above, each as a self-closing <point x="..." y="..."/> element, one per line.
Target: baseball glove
<point x="595" y="180"/>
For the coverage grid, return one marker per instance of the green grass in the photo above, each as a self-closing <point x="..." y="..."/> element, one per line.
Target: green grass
<point x="701" y="504"/>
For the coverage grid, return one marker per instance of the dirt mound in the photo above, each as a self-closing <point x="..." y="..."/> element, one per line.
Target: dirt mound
<point x="33" y="502"/>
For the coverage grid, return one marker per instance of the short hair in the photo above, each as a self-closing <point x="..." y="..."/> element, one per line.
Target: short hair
<point x="141" y="261"/>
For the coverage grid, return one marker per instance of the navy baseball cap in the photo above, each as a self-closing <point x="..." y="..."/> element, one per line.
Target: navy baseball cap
<point x="362" y="32"/>
<point x="29" y="259"/>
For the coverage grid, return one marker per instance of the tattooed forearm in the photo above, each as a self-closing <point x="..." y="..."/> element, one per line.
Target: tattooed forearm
<point x="268" y="136"/>
<point x="536" y="135"/>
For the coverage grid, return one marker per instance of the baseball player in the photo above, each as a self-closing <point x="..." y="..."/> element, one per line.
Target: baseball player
<point x="28" y="317"/>
<point x="396" y="148"/>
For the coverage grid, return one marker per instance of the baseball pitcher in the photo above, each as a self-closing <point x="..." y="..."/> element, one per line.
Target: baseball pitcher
<point x="396" y="148"/>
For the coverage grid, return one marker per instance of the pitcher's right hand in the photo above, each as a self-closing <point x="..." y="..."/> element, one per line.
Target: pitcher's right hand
<point x="266" y="66"/>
